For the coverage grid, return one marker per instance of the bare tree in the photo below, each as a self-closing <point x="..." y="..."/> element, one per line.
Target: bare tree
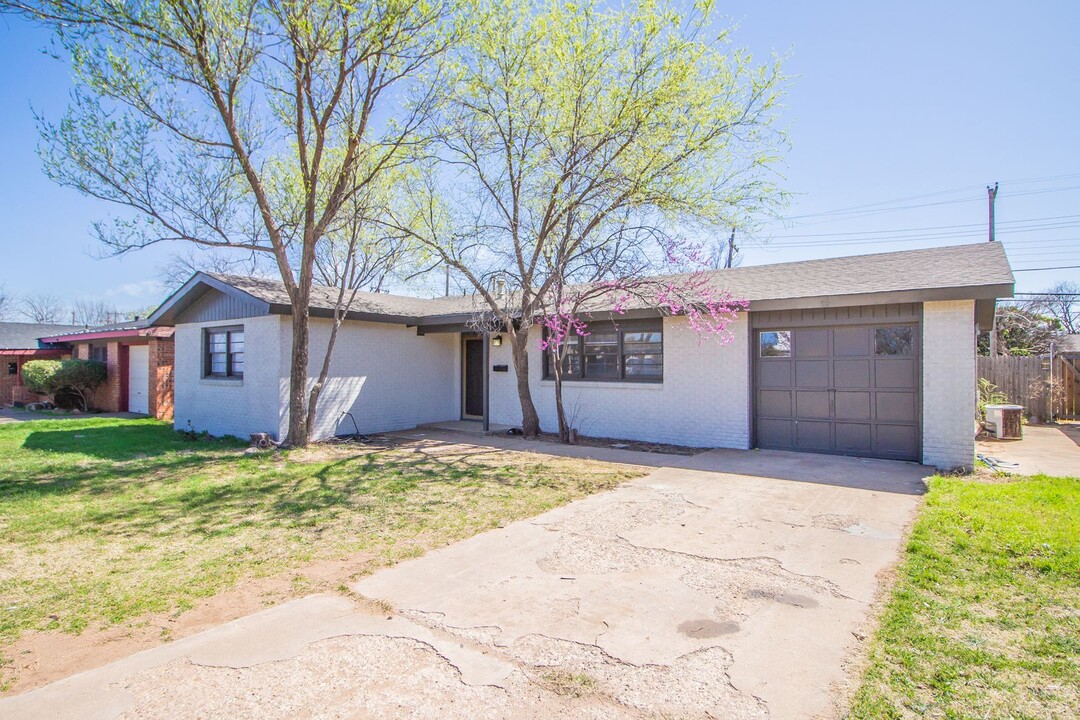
<point x="5" y="304"/>
<point x="43" y="308"/>
<point x="93" y="311"/>
<point x="181" y="266"/>
<point x="243" y="124"/>
<point x="1062" y="302"/>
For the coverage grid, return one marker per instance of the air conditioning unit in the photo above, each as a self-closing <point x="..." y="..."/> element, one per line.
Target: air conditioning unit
<point x="1005" y="422"/>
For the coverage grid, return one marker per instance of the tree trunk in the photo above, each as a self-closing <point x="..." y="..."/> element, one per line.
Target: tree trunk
<point x="530" y="421"/>
<point x="560" y="411"/>
<point x="564" y="426"/>
<point x="299" y="431"/>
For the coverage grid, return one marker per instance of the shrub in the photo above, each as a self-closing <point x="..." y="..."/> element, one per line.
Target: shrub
<point x="81" y="377"/>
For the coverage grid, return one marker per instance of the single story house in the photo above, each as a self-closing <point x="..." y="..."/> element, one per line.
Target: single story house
<point x="139" y="362"/>
<point x="871" y="355"/>
<point x="19" y="344"/>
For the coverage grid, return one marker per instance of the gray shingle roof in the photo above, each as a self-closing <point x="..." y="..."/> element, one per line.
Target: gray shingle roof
<point x="1069" y="344"/>
<point x="273" y="292"/>
<point x="932" y="268"/>
<point x="958" y="266"/>
<point x="24" y="336"/>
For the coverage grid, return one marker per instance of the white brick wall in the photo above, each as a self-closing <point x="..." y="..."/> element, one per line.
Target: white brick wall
<point x="390" y="378"/>
<point x="948" y="403"/>
<point x="230" y="407"/>
<point x="386" y="375"/>
<point x="703" y="401"/>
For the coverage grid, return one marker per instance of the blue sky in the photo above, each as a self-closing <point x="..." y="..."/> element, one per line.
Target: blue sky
<point x="892" y="104"/>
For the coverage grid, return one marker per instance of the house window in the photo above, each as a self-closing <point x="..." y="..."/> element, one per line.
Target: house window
<point x="775" y="343"/>
<point x="13" y="368"/>
<point x="223" y="352"/>
<point x="630" y="351"/>
<point x="892" y="341"/>
<point x="99" y="353"/>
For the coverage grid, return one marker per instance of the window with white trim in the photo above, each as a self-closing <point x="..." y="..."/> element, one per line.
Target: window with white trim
<point x="223" y="352"/>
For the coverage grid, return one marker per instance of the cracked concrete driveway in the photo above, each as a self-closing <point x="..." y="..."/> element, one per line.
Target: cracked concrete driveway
<point x="733" y="586"/>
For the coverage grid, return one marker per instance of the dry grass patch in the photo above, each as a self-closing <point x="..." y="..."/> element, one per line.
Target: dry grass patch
<point x="104" y="521"/>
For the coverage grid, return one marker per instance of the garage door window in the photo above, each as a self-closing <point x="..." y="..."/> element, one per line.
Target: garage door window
<point x="892" y="341"/>
<point x="776" y="344"/>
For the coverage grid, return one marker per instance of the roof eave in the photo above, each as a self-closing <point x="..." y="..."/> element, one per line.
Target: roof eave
<point x="969" y="292"/>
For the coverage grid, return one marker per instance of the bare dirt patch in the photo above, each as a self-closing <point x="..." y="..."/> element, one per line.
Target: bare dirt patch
<point x="39" y="658"/>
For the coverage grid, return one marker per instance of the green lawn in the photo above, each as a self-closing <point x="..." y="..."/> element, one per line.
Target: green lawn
<point x="105" y="520"/>
<point x="984" y="620"/>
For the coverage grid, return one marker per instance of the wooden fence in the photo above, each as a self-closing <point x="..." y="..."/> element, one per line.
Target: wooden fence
<point x="1026" y="381"/>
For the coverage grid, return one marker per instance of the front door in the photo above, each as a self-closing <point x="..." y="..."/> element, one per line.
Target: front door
<point x="472" y="394"/>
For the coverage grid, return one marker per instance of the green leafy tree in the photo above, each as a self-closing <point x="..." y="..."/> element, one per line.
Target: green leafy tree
<point x="580" y="144"/>
<point x="240" y="125"/>
<point x="80" y="377"/>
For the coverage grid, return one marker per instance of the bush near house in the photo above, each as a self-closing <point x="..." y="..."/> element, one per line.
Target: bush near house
<point x="80" y="377"/>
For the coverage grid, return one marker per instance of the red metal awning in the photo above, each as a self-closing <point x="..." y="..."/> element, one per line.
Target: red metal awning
<point x="40" y="352"/>
<point x="111" y="334"/>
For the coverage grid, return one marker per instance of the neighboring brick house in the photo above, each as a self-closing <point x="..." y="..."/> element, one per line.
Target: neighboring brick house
<point x="139" y="362"/>
<point x="19" y="344"/>
<point x="871" y="355"/>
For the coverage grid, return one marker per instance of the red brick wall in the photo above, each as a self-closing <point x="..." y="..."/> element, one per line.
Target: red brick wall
<point x="107" y="397"/>
<point x="161" y="378"/>
<point x="8" y="383"/>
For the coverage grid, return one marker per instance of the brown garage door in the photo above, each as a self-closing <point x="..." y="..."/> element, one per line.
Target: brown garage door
<point x="851" y="390"/>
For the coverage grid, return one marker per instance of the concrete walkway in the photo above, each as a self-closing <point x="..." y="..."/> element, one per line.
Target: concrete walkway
<point x="738" y="588"/>
<point x="1045" y="449"/>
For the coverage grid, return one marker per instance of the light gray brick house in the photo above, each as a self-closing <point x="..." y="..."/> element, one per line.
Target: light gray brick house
<point x="870" y="355"/>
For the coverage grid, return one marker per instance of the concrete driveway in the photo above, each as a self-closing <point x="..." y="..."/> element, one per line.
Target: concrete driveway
<point x="734" y="586"/>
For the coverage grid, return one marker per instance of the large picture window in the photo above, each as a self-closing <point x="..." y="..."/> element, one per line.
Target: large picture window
<point x="629" y="351"/>
<point x="223" y="352"/>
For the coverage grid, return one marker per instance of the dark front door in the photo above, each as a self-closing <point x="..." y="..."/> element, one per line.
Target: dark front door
<point x="473" y="391"/>
<point x="851" y="390"/>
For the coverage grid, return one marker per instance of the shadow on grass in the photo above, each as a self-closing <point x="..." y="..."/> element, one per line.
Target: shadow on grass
<point x="118" y="442"/>
<point x="204" y="492"/>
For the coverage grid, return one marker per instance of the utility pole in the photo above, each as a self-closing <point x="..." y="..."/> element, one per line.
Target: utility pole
<point x="730" y="249"/>
<point x="991" y="194"/>
<point x="447" y="293"/>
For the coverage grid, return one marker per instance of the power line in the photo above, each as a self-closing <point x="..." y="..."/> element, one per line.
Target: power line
<point x="1040" y="221"/>
<point x="936" y="193"/>
<point x="863" y="238"/>
<point x="1060" y="267"/>
<point x="867" y="209"/>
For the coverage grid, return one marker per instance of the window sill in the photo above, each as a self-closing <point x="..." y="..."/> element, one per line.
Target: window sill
<point x="228" y="382"/>
<point x="605" y="384"/>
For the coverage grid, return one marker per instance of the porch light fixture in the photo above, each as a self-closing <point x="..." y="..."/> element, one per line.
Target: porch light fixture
<point x="496" y="340"/>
